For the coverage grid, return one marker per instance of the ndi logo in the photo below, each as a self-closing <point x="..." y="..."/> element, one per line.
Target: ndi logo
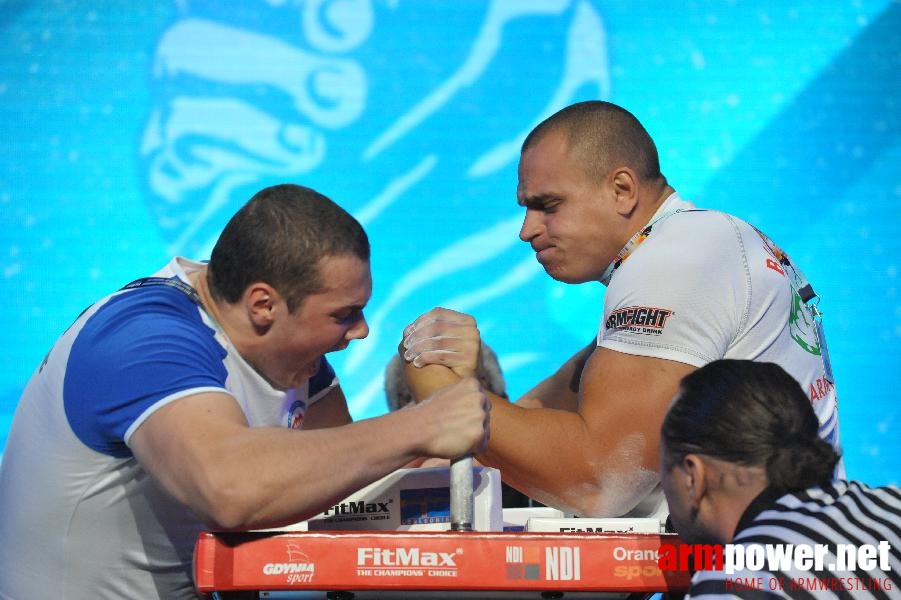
<point x="523" y="563"/>
<point x="562" y="563"/>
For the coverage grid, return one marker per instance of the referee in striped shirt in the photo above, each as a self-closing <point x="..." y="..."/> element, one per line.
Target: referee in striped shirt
<point x="742" y="466"/>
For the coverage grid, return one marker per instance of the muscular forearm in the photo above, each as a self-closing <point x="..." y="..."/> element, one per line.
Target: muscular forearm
<point x="554" y="457"/>
<point x="548" y="453"/>
<point x="204" y="454"/>
<point x="585" y="439"/>
<point x="253" y="490"/>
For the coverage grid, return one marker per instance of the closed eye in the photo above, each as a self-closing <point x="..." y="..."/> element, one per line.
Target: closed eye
<point x="544" y="204"/>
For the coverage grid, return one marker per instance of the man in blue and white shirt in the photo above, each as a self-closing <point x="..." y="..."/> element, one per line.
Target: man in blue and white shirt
<point x="176" y="404"/>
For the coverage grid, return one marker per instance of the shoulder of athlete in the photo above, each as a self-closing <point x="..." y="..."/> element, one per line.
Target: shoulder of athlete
<point x="685" y="242"/>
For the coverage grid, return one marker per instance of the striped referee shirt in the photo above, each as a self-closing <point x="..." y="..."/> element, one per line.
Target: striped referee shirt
<point x="837" y="520"/>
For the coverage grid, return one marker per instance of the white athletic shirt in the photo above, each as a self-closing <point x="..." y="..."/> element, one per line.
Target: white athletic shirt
<point x="704" y="285"/>
<point x="79" y="517"/>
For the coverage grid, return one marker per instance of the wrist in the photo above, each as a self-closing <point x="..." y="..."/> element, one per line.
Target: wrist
<point x="424" y="381"/>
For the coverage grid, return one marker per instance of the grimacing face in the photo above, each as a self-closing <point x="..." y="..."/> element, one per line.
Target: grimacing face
<point x="570" y="220"/>
<point x="325" y="322"/>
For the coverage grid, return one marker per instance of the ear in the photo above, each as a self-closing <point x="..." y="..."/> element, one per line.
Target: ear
<point x="625" y="190"/>
<point x="695" y="478"/>
<point x="260" y="300"/>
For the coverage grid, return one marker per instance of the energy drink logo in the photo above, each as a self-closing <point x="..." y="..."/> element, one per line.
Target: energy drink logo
<point x="638" y="319"/>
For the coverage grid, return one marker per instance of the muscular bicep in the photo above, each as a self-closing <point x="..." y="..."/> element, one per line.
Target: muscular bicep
<point x="329" y="411"/>
<point x="560" y="390"/>
<point x="623" y="401"/>
<point x="180" y="444"/>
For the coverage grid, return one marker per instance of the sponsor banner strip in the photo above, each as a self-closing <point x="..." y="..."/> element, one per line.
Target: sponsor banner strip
<point x="346" y="560"/>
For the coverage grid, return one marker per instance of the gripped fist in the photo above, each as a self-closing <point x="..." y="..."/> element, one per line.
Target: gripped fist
<point x="462" y="416"/>
<point x="443" y="337"/>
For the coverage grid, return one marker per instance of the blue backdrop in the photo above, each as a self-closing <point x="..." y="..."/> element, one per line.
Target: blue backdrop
<point x="131" y="131"/>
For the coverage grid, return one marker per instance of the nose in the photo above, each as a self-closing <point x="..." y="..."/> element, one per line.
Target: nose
<point x="359" y="330"/>
<point x="530" y="226"/>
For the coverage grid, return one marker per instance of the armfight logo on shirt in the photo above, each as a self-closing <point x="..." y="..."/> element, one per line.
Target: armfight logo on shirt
<point x="638" y="319"/>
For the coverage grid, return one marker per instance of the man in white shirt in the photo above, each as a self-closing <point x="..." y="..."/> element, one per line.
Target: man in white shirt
<point x="684" y="287"/>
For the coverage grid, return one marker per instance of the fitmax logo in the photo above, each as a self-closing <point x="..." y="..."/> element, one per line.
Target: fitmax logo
<point x="404" y="557"/>
<point x="358" y="508"/>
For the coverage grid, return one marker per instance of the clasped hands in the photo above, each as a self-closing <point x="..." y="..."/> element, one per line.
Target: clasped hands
<point x="444" y="338"/>
<point x="441" y="353"/>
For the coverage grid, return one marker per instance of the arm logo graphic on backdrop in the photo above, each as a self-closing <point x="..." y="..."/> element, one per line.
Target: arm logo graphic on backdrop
<point x="261" y="92"/>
